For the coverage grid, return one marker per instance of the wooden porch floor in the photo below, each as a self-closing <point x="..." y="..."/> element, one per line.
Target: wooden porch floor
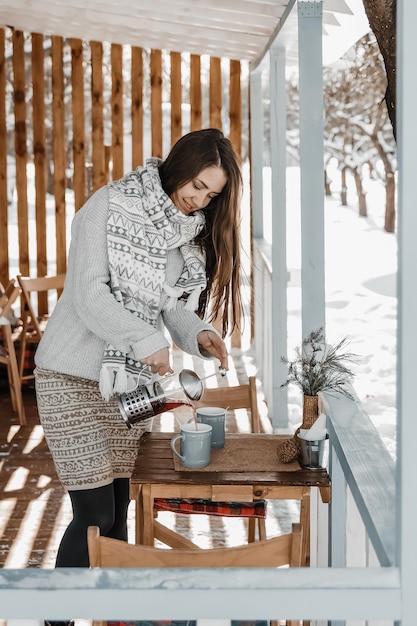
<point x="35" y="509"/>
<point x="33" y="505"/>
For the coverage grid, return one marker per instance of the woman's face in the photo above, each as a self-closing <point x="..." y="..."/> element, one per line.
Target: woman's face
<point x="198" y="193"/>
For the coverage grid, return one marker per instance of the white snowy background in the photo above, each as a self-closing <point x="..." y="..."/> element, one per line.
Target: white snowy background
<point x="361" y="303"/>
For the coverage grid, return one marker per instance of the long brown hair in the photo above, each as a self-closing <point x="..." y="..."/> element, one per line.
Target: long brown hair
<point x="220" y="238"/>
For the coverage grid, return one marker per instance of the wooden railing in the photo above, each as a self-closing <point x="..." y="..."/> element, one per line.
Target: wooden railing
<point x="84" y="113"/>
<point x="360" y="531"/>
<point x="364" y="511"/>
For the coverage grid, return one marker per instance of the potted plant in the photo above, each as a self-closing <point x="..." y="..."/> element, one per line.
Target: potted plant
<point x="316" y="367"/>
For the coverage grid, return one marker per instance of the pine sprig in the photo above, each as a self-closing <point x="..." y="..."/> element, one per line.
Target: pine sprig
<point x="318" y="367"/>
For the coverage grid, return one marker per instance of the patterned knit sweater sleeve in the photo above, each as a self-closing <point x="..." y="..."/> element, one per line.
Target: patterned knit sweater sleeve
<point x="184" y="326"/>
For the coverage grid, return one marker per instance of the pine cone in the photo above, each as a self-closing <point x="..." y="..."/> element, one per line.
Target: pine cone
<point x="287" y="451"/>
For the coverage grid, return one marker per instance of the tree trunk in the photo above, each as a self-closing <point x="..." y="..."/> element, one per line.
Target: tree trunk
<point x="363" y="211"/>
<point x="327" y="183"/>
<point x="389" y="174"/>
<point x="343" y="195"/>
<point x="382" y="20"/>
<point x="390" y="203"/>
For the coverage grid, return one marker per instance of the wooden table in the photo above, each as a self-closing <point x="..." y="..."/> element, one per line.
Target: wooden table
<point x="155" y="476"/>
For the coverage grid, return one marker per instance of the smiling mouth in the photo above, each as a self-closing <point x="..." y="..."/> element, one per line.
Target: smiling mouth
<point x="188" y="207"/>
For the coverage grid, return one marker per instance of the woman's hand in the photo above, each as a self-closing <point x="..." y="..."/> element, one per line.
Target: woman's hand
<point x="159" y="362"/>
<point x="214" y="345"/>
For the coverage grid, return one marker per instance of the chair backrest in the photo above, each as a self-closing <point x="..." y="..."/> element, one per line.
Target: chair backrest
<point x="237" y="397"/>
<point x="8" y="295"/>
<point x="39" y="285"/>
<point x="275" y="552"/>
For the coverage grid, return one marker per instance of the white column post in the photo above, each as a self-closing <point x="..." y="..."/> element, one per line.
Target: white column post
<point x="278" y="113"/>
<point x="407" y="306"/>
<point x="311" y="165"/>
<point x="256" y="143"/>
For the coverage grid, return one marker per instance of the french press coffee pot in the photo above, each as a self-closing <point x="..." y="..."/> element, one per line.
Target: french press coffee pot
<point x="166" y="394"/>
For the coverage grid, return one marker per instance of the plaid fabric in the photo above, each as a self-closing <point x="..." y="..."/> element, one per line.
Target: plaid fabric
<point x="158" y="623"/>
<point x="256" y="509"/>
<point x="186" y="623"/>
<point x="249" y="623"/>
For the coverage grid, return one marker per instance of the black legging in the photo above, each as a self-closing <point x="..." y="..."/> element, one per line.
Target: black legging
<point x="105" y="507"/>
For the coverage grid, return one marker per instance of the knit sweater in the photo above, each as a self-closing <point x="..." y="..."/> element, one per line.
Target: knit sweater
<point x="87" y="317"/>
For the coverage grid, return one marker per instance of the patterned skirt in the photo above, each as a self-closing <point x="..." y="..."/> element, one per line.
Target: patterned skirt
<point x="88" y="438"/>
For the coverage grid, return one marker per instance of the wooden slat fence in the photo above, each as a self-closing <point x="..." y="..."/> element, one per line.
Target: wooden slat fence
<point x="77" y="114"/>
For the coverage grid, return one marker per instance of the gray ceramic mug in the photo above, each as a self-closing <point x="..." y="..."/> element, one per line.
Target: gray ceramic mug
<point x="215" y="416"/>
<point x="195" y="447"/>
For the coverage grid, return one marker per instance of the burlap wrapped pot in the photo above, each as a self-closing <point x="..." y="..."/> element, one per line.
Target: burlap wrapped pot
<point x="310" y="411"/>
<point x="288" y="450"/>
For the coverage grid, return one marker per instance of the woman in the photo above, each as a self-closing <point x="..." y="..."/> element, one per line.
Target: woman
<point x="158" y="248"/>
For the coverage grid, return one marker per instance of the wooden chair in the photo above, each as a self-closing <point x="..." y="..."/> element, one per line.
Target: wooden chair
<point x="232" y="398"/>
<point x="7" y="350"/>
<point x="33" y="321"/>
<point x="284" y="550"/>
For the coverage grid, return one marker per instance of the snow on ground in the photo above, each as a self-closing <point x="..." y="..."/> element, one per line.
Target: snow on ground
<point x="361" y="303"/>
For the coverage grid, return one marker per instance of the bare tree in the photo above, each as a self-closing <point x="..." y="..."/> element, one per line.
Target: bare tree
<point x="382" y="20"/>
<point x="358" y="132"/>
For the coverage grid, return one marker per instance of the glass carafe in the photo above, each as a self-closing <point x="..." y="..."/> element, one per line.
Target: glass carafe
<point x="166" y="394"/>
